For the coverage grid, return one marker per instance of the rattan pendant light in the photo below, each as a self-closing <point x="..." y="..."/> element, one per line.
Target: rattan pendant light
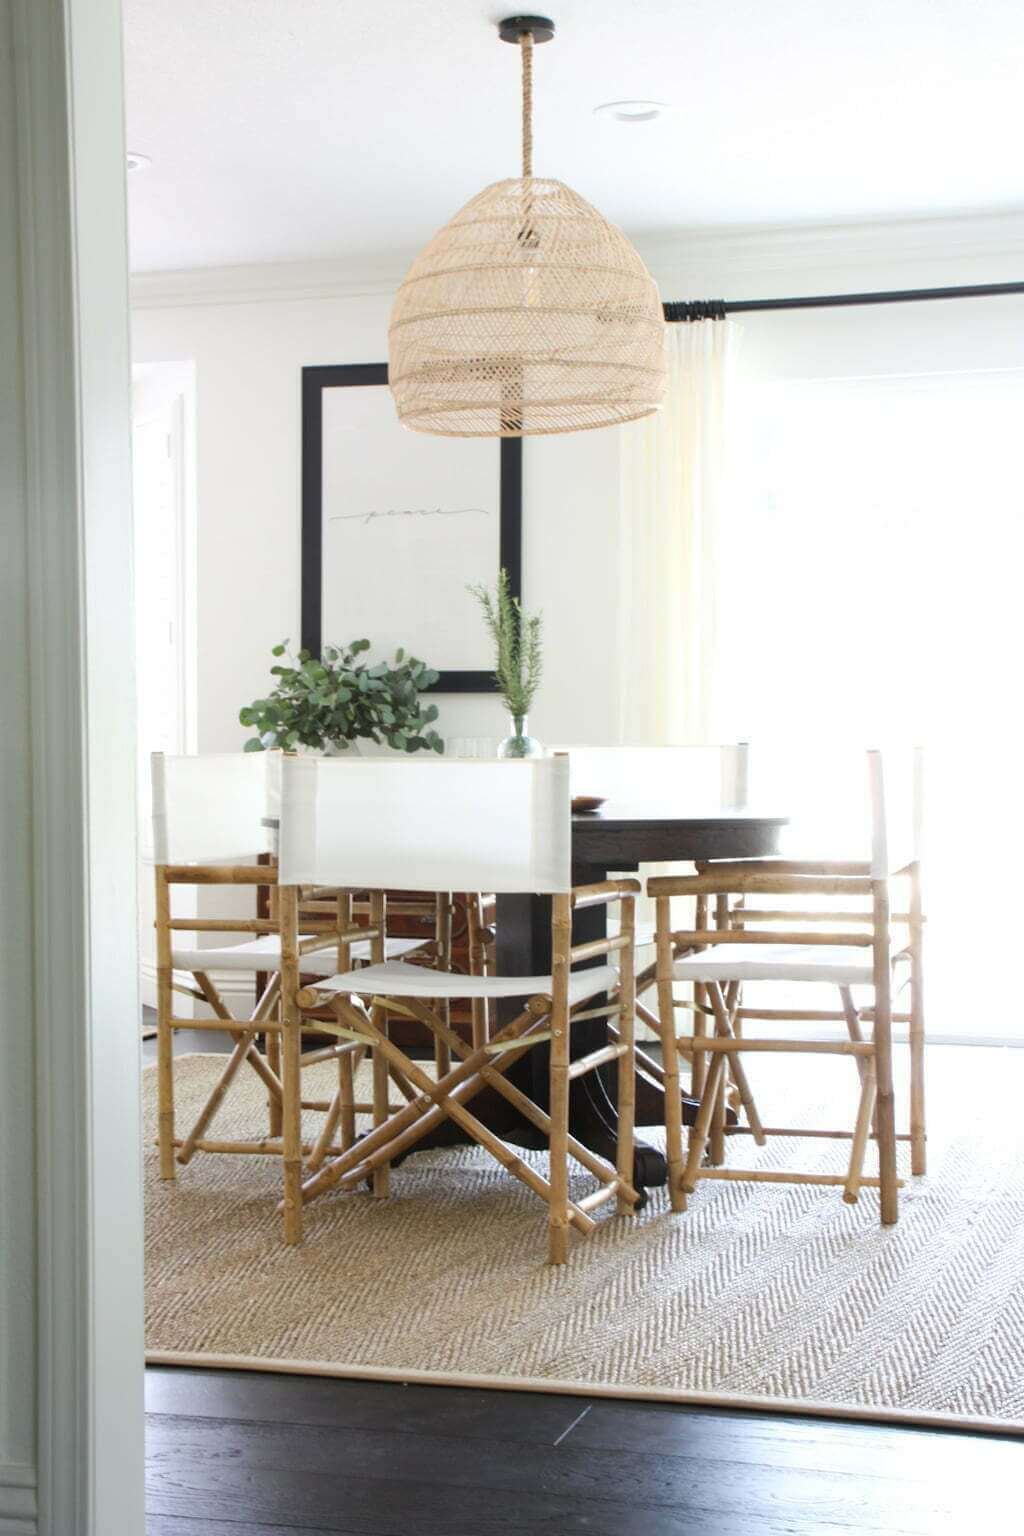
<point x="528" y="312"/>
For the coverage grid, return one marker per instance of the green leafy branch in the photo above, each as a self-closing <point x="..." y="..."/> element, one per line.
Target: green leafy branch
<point x="517" y="645"/>
<point x="339" y="697"/>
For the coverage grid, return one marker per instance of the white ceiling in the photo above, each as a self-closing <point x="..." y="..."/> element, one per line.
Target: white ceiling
<point x="285" y="130"/>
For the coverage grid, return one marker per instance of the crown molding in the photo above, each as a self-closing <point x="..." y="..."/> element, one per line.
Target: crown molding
<point x="266" y="283"/>
<point x="672" y="255"/>
<point x="801" y="248"/>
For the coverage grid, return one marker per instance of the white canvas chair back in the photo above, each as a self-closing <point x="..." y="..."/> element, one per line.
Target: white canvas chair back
<point x="426" y="824"/>
<point x="837" y="812"/>
<point x="212" y="808"/>
<point x="896" y="789"/>
<point x="706" y="777"/>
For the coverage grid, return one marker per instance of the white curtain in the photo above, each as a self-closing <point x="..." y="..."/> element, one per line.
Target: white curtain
<point x="672" y="496"/>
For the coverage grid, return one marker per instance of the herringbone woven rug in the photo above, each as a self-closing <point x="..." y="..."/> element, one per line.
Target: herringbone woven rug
<point x="759" y="1292"/>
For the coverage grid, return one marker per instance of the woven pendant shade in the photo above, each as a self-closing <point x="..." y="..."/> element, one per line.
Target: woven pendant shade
<point x="527" y="313"/>
<point x="494" y="334"/>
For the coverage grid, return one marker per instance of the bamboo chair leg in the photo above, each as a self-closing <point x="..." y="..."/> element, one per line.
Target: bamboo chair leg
<point x="443" y="938"/>
<point x="918" y="1151"/>
<point x="346" y="1093"/>
<point x="558" y="1151"/>
<point x="165" y="1078"/>
<point x="381" y="1181"/>
<point x="733" y="1097"/>
<point x="273" y="1055"/>
<point x="699" y="1134"/>
<point x="885" y="1109"/>
<point x="291" y="1131"/>
<point x="861" y="1131"/>
<point x="477" y="967"/>
<point x="327" y="1130"/>
<point x="698" y="1069"/>
<point x="291" y="1068"/>
<point x="724" y="1010"/>
<point x="716" y="1149"/>
<point x="853" y="1027"/>
<point x="381" y="1080"/>
<point x="626" y="1064"/>
<point x="716" y="1139"/>
<point x="164" y="1032"/>
<point x="669" y="1057"/>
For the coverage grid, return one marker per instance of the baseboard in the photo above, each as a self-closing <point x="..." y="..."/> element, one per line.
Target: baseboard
<point x="234" y="984"/>
<point x="237" y="986"/>
<point x="19" y="1515"/>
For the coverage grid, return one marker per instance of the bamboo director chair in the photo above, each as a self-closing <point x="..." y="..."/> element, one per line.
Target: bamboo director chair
<point x="210" y="821"/>
<point x="441" y="825"/>
<point x="854" y="950"/>
<point x="715" y="776"/>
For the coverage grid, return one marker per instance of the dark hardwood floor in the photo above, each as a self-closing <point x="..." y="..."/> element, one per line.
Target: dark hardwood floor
<point x="241" y="1454"/>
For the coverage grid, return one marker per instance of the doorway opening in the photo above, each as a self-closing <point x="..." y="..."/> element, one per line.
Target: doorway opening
<point x="164" y="519"/>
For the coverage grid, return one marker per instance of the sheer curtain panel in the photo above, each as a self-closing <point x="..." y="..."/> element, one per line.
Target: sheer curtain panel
<point x="673" y="489"/>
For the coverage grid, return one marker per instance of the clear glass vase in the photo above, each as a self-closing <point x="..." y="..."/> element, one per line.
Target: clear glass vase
<point x="520" y="743"/>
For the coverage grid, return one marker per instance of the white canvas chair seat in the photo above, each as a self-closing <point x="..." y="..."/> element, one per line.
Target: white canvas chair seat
<point x="395" y="979"/>
<point x="264" y="954"/>
<point x="843" y="966"/>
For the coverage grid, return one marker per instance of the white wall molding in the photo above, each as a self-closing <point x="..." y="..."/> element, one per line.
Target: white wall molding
<point x="672" y="255"/>
<point x="18" y="1505"/>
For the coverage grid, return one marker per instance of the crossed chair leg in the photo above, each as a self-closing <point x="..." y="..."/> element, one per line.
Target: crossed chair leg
<point x="433" y="1101"/>
<point x="243" y="1033"/>
<point x="725" y="1048"/>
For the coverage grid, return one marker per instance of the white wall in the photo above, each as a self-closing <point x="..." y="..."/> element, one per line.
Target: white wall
<point x="251" y="330"/>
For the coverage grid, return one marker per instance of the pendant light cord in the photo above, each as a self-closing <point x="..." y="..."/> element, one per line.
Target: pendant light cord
<point x="526" y="44"/>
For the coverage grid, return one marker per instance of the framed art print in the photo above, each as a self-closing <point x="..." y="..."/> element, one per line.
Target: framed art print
<point x="397" y="524"/>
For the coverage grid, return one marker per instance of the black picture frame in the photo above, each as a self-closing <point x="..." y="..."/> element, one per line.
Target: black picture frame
<point x="510" y="535"/>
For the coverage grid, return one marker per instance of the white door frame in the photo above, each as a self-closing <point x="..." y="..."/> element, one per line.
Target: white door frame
<point x="67" y="65"/>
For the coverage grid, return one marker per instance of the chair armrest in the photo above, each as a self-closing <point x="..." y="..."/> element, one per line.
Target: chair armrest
<point x="725" y="884"/>
<point x="603" y="893"/>
<point x="773" y="866"/>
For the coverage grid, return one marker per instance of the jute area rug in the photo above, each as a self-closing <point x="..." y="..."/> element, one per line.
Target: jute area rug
<point x="760" y="1295"/>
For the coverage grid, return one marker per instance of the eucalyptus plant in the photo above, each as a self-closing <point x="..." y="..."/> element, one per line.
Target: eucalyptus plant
<point x="517" y="645"/>
<point x="338" y="697"/>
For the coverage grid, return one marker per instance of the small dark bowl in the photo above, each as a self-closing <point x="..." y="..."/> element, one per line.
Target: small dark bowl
<point x="586" y="804"/>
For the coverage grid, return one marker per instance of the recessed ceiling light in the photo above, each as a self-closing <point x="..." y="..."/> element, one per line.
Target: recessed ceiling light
<point x="137" y="162"/>
<point x="632" y="111"/>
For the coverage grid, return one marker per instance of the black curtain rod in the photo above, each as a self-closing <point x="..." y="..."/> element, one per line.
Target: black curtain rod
<point x="717" y="309"/>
